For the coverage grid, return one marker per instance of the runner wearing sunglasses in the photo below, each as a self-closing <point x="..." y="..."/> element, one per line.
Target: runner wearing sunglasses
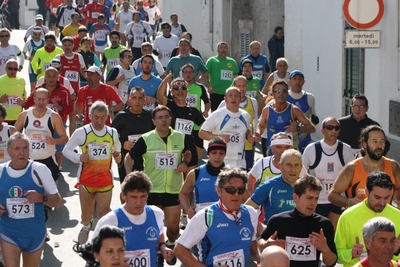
<point x="227" y="224"/>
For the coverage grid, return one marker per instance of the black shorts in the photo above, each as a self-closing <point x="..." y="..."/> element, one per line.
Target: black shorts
<point x="50" y="162"/>
<point x="216" y="99"/>
<point x="163" y="199"/>
<point x="53" y="19"/>
<point x="325" y="209"/>
<point x="197" y="140"/>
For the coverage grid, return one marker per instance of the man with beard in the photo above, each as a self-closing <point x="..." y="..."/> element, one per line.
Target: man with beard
<point x="351" y="179"/>
<point x="111" y="54"/>
<point x="348" y="236"/>
<point x="147" y="81"/>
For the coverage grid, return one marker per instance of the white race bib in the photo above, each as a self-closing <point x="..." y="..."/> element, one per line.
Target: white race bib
<point x="134" y="137"/>
<point x="252" y="94"/>
<point x="200" y="206"/>
<point x="149" y="106"/>
<point x="226" y="75"/>
<point x="112" y="62"/>
<point x="138" y="258"/>
<point x="231" y="259"/>
<point x="11" y="101"/>
<point x="95" y="15"/>
<point x="20" y="208"/>
<point x="235" y="138"/>
<point x="166" y="161"/>
<point x="46" y="65"/>
<point x="191" y="100"/>
<point x="100" y="37"/>
<point x="184" y="126"/>
<point x="99" y="151"/>
<point x="166" y="54"/>
<point x="327" y="185"/>
<point x="72" y="75"/>
<point x="257" y="73"/>
<point x="37" y="142"/>
<point x="300" y="249"/>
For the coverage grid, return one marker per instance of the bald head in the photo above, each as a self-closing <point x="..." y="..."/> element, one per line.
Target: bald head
<point x="274" y="256"/>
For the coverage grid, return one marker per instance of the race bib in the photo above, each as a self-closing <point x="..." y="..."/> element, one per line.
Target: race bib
<point x="200" y="206"/>
<point x="226" y="75"/>
<point x="11" y="101"/>
<point x="257" y="73"/>
<point x="36" y="142"/>
<point x="149" y="106"/>
<point x="134" y="137"/>
<point x="357" y="152"/>
<point x="100" y="37"/>
<point x="191" y="100"/>
<point x="54" y="9"/>
<point x="125" y="21"/>
<point x="166" y="161"/>
<point x="300" y="249"/>
<point x="167" y="55"/>
<point x="252" y="94"/>
<point x="20" y="208"/>
<point x="138" y="258"/>
<point x="235" y="138"/>
<point x="71" y="75"/>
<point x="327" y="185"/>
<point x="184" y="126"/>
<point x="112" y="62"/>
<point x="99" y="151"/>
<point x="95" y="15"/>
<point x="231" y="259"/>
<point x="46" y="65"/>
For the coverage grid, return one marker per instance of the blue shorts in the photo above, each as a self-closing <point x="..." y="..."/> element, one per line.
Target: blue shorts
<point x="32" y="77"/>
<point x="59" y="148"/>
<point x="28" y="244"/>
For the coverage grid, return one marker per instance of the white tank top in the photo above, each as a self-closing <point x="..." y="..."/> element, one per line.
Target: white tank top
<point x="276" y="77"/>
<point x="125" y="18"/>
<point x="37" y="129"/>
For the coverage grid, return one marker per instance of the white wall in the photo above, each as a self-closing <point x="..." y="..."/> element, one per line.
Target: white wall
<point x="194" y="14"/>
<point x="314" y="30"/>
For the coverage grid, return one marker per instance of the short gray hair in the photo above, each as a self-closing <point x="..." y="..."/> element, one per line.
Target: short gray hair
<point x="17" y="135"/>
<point x="290" y="152"/>
<point x="376" y="224"/>
<point x="98" y="106"/>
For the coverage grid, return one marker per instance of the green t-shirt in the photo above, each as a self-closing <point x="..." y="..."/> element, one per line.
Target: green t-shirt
<point x="221" y="72"/>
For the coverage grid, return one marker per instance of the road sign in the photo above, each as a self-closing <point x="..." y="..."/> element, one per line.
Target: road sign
<point x="363" y="39"/>
<point x="363" y="14"/>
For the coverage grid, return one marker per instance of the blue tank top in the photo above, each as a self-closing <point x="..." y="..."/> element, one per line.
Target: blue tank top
<point x="34" y="49"/>
<point x="141" y="240"/>
<point x="234" y="248"/>
<point x="204" y="188"/>
<point x="302" y="103"/>
<point x="20" y="215"/>
<point x="277" y="122"/>
<point x="138" y="70"/>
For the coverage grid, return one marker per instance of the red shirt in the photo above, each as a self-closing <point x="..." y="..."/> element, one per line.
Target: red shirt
<point x="53" y="4"/>
<point x="77" y="43"/>
<point x="82" y="10"/>
<point x="61" y="95"/>
<point x="93" y="10"/>
<point x="88" y="96"/>
<point x="70" y="69"/>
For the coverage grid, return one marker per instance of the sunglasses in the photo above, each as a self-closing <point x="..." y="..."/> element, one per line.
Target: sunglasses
<point x="280" y="91"/>
<point x="179" y="88"/>
<point x="14" y="69"/>
<point x="353" y="106"/>
<point x="232" y="191"/>
<point x="4" y="36"/>
<point x="331" y="127"/>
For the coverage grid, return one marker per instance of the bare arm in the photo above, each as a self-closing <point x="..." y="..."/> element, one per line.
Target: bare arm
<point x="252" y="203"/>
<point x="268" y="85"/>
<point x="19" y="124"/>
<point x="162" y="89"/>
<point x="186" y="256"/>
<point x="396" y="173"/>
<point x="53" y="200"/>
<point x="184" y="193"/>
<point x="308" y="126"/>
<point x="341" y="184"/>
<point x="254" y="252"/>
<point x="59" y="127"/>
<point x="128" y="163"/>
<point x="263" y="122"/>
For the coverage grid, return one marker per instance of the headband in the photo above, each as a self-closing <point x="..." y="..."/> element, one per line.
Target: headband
<point x="213" y="147"/>
<point x="286" y="141"/>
